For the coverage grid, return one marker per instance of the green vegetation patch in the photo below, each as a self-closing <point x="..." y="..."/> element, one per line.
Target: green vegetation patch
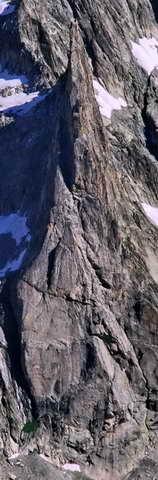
<point x="30" y="426"/>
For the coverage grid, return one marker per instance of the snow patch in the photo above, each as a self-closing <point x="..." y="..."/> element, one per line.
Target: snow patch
<point x="20" y="102"/>
<point x="146" y="53"/>
<point x="73" y="467"/>
<point x="12" y="265"/>
<point x="11" y="81"/>
<point x="16" y="225"/>
<point x="15" y="455"/>
<point x="25" y="108"/>
<point x="107" y="103"/>
<point x="6" y="8"/>
<point x="151" y="213"/>
<point x="17" y="103"/>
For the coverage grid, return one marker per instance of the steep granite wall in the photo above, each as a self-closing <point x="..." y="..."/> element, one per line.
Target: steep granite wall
<point x="79" y="348"/>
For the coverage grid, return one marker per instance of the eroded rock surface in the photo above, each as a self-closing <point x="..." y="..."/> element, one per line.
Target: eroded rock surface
<point x="79" y="348"/>
<point x="35" y="466"/>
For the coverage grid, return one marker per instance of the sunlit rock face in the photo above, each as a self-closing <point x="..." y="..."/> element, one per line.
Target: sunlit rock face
<point x="79" y="237"/>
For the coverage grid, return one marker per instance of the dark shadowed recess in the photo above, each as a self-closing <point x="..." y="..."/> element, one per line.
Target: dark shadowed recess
<point x="66" y="154"/>
<point x="12" y="333"/>
<point x="51" y="263"/>
<point x="149" y="128"/>
<point x="65" y="135"/>
<point x="154" y="4"/>
<point x="10" y="39"/>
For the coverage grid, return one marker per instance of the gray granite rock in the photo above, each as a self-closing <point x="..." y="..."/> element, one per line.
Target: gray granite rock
<point x="78" y="338"/>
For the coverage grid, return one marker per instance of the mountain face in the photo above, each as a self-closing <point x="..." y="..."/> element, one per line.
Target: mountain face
<point x="78" y="239"/>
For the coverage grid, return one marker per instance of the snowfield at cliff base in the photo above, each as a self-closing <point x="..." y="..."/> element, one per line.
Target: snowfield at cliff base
<point x="14" y="225"/>
<point x="8" y="80"/>
<point x="6" y="8"/>
<point x="12" y="265"/>
<point x="19" y="103"/>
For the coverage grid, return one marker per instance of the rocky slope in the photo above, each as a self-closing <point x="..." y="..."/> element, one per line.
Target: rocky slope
<point x="78" y="234"/>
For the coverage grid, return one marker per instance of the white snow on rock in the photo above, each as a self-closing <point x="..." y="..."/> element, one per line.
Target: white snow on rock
<point x="15" y="455"/>
<point x="151" y="213"/>
<point x="26" y="107"/>
<point x="20" y="102"/>
<point x="11" y="81"/>
<point x="16" y="226"/>
<point x="107" y="103"/>
<point x="73" y="467"/>
<point x="17" y="103"/>
<point x="146" y="53"/>
<point x="6" y="8"/>
<point x="12" y="265"/>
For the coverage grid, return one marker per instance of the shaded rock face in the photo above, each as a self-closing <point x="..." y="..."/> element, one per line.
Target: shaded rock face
<point x="35" y="466"/>
<point x="79" y="337"/>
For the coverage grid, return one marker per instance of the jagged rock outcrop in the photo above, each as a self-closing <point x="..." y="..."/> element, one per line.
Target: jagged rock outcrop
<point x="79" y="288"/>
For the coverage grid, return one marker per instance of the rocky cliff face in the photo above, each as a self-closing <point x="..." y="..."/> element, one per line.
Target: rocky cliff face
<point x="78" y="234"/>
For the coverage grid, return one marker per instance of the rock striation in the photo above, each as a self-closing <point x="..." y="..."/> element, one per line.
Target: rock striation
<point x="79" y="287"/>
